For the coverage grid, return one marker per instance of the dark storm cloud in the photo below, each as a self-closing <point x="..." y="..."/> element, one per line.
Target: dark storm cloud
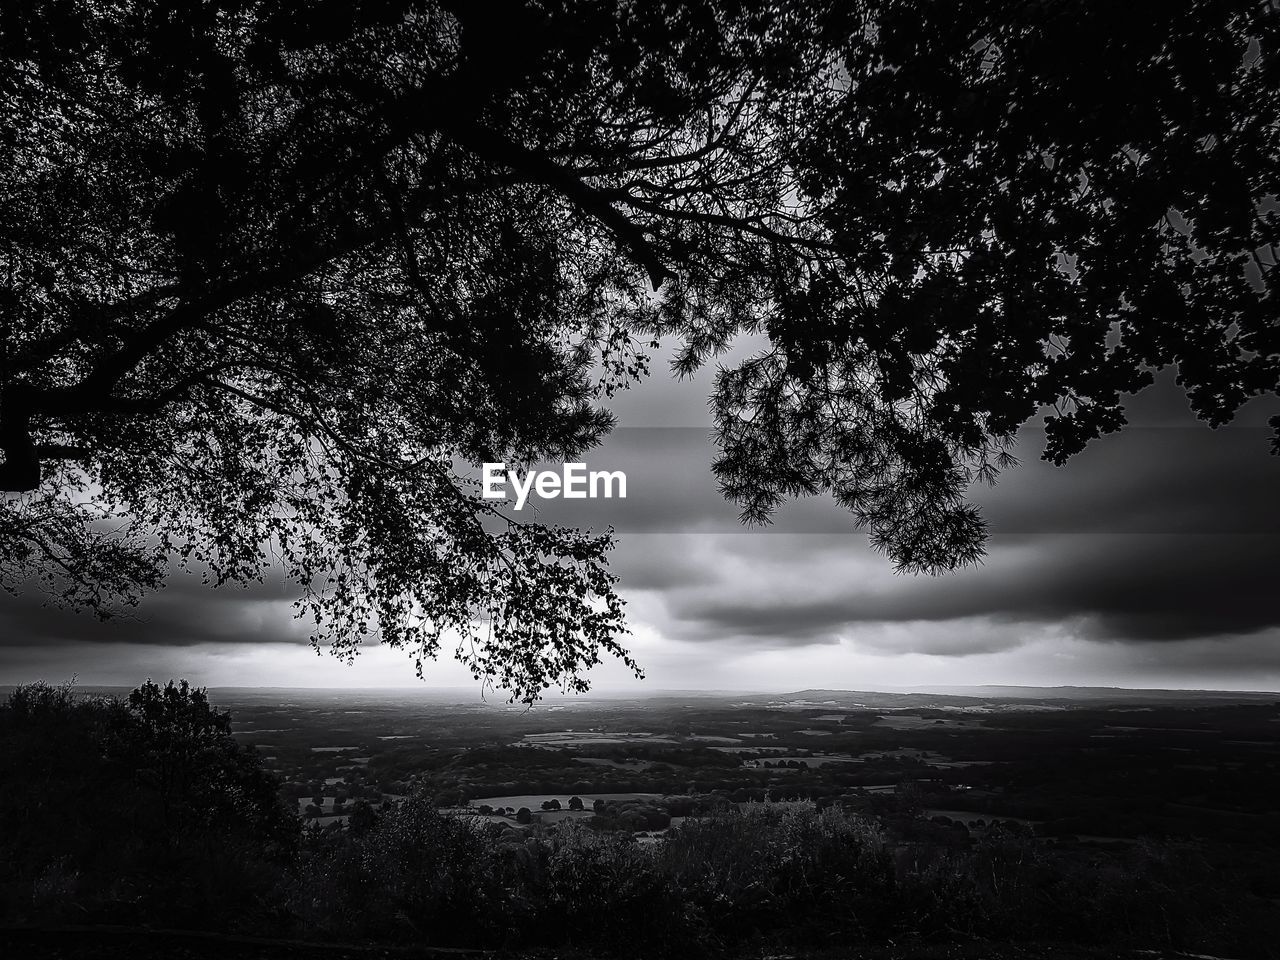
<point x="649" y="562"/>
<point x="1147" y="480"/>
<point x="1183" y="479"/>
<point x="1209" y="658"/>
<point x="781" y="588"/>
<point x="1158" y="587"/>
<point x="1108" y="587"/>
<point x="1166" y="532"/>
<point x="183" y="613"/>
<point x="1166" y="472"/>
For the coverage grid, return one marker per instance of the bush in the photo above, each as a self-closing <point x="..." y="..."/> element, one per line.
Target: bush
<point x="413" y="873"/>
<point x="789" y="874"/>
<point x="1011" y="887"/>
<point x="768" y="868"/>
<point x="590" y="890"/>
<point x="139" y="810"/>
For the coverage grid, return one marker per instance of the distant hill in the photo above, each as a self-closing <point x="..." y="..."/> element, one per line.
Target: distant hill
<point x="1110" y="694"/>
<point x="967" y="695"/>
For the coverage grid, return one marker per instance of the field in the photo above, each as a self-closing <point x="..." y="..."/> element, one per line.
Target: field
<point x="534" y="801"/>
<point x="1074" y="769"/>
<point x="1139" y="820"/>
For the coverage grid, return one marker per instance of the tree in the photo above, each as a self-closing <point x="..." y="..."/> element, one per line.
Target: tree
<point x="523" y="815"/>
<point x="271" y="272"/>
<point x="148" y="799"/>
<point x="183" y="748"/>
<point x="180" y="732"/>
<point x="575" y="803"/>
<point x="363" y="818"/>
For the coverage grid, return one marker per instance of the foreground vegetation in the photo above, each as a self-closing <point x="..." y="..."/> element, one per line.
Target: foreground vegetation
<point x="146" y="810"/>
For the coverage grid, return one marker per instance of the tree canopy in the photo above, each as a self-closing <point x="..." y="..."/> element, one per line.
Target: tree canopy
<point x="272" y="270"/>
<point x="146" y="805"/>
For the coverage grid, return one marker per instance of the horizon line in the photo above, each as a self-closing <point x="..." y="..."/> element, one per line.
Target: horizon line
<point x="622" y="693"/>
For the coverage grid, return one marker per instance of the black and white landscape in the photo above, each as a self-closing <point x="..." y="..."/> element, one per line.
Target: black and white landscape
<point x="599" y="479"/>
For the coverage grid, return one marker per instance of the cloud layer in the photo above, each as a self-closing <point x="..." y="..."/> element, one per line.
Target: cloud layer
<point x="1152" y="554"/>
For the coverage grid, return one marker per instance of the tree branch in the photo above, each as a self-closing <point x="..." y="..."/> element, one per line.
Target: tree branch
<point x="589" y="199"/>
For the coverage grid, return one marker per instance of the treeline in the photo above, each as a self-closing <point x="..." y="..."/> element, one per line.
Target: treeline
<point x="786" y="878"/>
<point x="146" y="811"/>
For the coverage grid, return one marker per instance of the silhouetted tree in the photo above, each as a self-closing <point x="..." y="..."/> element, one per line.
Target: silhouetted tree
<point x="363" y="818"/>
<point x="183" y="747"/>
<point x="148" y="801"/>
<point x="270" y="268"/>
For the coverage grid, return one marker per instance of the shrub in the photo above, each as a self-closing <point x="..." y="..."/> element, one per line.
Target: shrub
<point x="413" y="874"/>
<point x="766" y="868"/>
<point x="588" y="889"/>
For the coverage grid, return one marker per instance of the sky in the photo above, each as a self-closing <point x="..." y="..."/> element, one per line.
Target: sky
<point x="1150" y="560"/>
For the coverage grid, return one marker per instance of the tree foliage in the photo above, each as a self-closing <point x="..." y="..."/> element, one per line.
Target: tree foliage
<point x="203" y="778"/>
<point x="272" y="272"/>
<point x="146" y="804"/>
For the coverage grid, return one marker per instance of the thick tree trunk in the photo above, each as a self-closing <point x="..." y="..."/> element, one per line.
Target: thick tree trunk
<point x="20" y="471"/>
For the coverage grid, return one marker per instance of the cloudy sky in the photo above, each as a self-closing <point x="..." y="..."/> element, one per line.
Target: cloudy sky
<point x="1151" y="560"/>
